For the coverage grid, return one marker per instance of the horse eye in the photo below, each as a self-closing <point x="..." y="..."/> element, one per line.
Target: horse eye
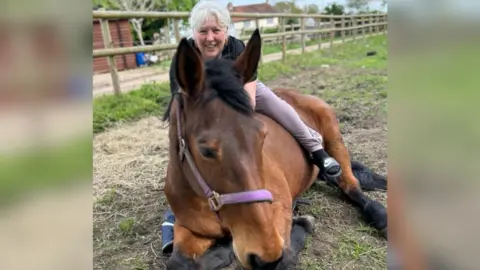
<point x="208" y="152"/>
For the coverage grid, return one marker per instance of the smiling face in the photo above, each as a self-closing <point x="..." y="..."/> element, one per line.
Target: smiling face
<point x="210" y="37"/>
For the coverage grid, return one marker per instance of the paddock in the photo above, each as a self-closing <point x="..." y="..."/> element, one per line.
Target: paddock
<point x="130" y="162"/>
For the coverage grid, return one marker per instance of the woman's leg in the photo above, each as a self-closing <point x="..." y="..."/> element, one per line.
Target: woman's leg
<point x="274" y="107"/>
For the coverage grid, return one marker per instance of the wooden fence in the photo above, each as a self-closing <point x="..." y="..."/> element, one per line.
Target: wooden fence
<point x="349" y="25"/>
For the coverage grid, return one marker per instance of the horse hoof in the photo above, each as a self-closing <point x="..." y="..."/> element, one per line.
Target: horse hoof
<point x="384" y="233"/>
<point x="331" y="181"/>
<point x="376" y="215"/>
<point x="306" y="221"/>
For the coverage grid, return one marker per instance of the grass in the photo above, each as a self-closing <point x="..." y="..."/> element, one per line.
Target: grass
<point x="130" y="164"/>
<point x="110" y="110"/>
<point x="151" y="99"/>
<point x="126" y="226"/>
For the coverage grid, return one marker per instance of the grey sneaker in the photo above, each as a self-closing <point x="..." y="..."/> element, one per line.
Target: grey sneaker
<point x="328" y="166"/>
<point x="331" y="167"/>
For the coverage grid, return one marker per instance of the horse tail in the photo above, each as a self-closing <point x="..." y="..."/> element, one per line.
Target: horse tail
<point x="368" y="180"/>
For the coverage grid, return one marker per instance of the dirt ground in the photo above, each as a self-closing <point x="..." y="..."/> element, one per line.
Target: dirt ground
<point x="130" y="164"/>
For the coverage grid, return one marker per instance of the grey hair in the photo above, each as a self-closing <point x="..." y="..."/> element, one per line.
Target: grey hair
<point x="207" y="8"/>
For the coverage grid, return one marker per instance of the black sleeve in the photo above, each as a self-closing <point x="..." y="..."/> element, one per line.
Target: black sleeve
<point x="239" y="48"/>
<point x="173" y="81"/>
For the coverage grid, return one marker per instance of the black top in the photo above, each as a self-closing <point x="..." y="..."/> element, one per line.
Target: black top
<point x="233" y="48"/>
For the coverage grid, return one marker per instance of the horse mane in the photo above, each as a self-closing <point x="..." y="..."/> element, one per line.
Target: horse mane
<point x="223" y="82"/>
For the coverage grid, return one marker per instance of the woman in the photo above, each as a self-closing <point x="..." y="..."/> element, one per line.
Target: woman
<point x="209" y="22"/>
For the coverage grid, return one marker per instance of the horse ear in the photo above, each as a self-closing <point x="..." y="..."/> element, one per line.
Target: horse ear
<point x="247" y="63"/>
<point x="189" y="69"/>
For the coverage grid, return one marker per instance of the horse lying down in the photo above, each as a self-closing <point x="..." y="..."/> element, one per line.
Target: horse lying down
<point x="221" y="255"/>
<point x="235" y="173"/>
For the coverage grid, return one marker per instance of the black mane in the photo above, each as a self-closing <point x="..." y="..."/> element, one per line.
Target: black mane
<point x="223" y="82"/>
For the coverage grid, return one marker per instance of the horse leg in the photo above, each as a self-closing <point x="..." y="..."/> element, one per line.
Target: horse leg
<point x="374" y="212"/>
<point x="300" y="228"/>
<point x="294" y="231"/>
<point x="195" y="252"/>
<point x="317" y="113"/>
<point x="217" y="257"/>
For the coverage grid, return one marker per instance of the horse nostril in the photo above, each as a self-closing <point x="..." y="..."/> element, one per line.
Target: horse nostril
<point x="258" y="264"/>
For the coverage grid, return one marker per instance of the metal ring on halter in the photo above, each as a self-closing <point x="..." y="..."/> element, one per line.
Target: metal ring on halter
<point x="182" y="149"/>
<point x="214" y="203"/>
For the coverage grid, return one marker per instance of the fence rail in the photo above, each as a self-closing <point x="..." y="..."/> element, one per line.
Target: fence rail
<point x="344" y="24"/>
<point x="113" y="14"/>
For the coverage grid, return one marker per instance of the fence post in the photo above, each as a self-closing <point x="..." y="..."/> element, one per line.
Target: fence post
<point x="343" y="25"/>
<point x="355" y="30"/>
<point x="385" y="26"/>
<point x="319" y="22"/>
<point x="167" y="36"/>
<point x="372" y="28"/>
<point x="107" y="41"/>
<point x="332" y="32"/>
<point x="292" y="29"/>
<point x="382" y="20"/>
<point x="302" y="37"/>
<point x="364" y="28"/>
<point x="284" y="41"/>
<point x="177" y="30"/>
<point x="370" y="22"/>
<point x="349" y="25"/>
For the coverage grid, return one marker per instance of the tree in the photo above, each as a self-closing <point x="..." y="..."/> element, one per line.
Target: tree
<point x="358" y="5"/>
<point x="145" y="28"/>
<point x="181" y="5"/>
<point x="312" y="9"/>
<point x="131" y="5"/>
<point x="334" y="9"/>
<point x="288" y="7"/>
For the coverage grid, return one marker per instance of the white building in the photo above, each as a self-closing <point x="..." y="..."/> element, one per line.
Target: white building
<point x="249" y="23"/>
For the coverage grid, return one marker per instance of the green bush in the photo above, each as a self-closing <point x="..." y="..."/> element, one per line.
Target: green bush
<point x="150" y="99"/>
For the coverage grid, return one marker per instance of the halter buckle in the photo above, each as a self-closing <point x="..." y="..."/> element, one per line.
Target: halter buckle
<point x="181" y="152"/>
<point x="214" y="202"/>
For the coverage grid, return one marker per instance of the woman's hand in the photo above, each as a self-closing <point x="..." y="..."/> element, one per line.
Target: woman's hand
<point x="251" y="89"/>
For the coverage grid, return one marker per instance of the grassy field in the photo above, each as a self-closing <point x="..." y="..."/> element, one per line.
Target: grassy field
<point x="130" y="157"/>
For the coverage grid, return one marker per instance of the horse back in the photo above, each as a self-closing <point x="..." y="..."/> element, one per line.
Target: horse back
<point x="308" y="107"/>
<point x="286" y="160"/>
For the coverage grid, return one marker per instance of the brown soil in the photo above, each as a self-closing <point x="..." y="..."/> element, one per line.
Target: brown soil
<point x="130" y="163"/>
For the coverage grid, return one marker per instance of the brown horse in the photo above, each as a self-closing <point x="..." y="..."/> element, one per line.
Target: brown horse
<point x="234" y="173"/>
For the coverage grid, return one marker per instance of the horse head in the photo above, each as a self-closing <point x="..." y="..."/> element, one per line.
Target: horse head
<point x="224" y="140"/>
